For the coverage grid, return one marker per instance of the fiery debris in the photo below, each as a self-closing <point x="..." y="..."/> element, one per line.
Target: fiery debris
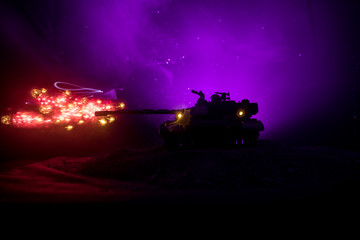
<point x="61" y="109"/>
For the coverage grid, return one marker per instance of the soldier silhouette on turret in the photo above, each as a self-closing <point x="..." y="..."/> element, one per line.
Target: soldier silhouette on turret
<point x="201" y="99"/>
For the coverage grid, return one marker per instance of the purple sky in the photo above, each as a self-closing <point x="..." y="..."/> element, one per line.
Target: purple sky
<point x="289" y="56"/>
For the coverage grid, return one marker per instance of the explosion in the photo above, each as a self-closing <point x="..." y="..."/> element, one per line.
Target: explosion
<point x="62" y="109"/>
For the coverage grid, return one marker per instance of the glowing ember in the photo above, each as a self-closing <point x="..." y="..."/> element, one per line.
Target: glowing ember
<point x="103" y="122"/>
<point x="6" y="120"/>
<point x="62" y="109"/>
<point x="45" y="109"/>
<point x="35" y="93"/>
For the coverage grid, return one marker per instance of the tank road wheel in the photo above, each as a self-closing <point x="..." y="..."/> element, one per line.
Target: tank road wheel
<point x="250" y="138"/>
<point x="233" y="139"/>
<point x="238" y="141"/>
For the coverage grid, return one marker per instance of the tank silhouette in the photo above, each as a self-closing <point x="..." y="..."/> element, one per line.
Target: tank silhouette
<point x="218" y="122"/>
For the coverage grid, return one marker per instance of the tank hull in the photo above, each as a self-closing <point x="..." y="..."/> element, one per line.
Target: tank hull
<point x="219" y="122"/>
<point x="211" y="133"/>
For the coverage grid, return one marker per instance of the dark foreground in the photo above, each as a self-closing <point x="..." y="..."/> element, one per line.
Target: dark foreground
<point x="271" y="173"/>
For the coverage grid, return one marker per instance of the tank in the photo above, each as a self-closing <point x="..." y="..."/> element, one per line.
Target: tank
<point x="218" y="122"/>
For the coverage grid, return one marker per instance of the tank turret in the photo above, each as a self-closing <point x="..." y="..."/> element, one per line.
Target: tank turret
<point x="218" y="122"/>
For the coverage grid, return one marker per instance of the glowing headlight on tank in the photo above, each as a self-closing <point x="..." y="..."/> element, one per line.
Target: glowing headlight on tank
<point x="69" y="127"/>
<point x="179" y="116"/>
<point x="121" y="105"/>
<point x="103" y="122"/>
<point x="110" y="118"/>
<point x="241" y="113"/>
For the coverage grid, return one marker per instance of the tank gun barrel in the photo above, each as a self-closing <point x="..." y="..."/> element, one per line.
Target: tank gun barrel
<point x="195" y="92"/>
<point x="142" y="111"/>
